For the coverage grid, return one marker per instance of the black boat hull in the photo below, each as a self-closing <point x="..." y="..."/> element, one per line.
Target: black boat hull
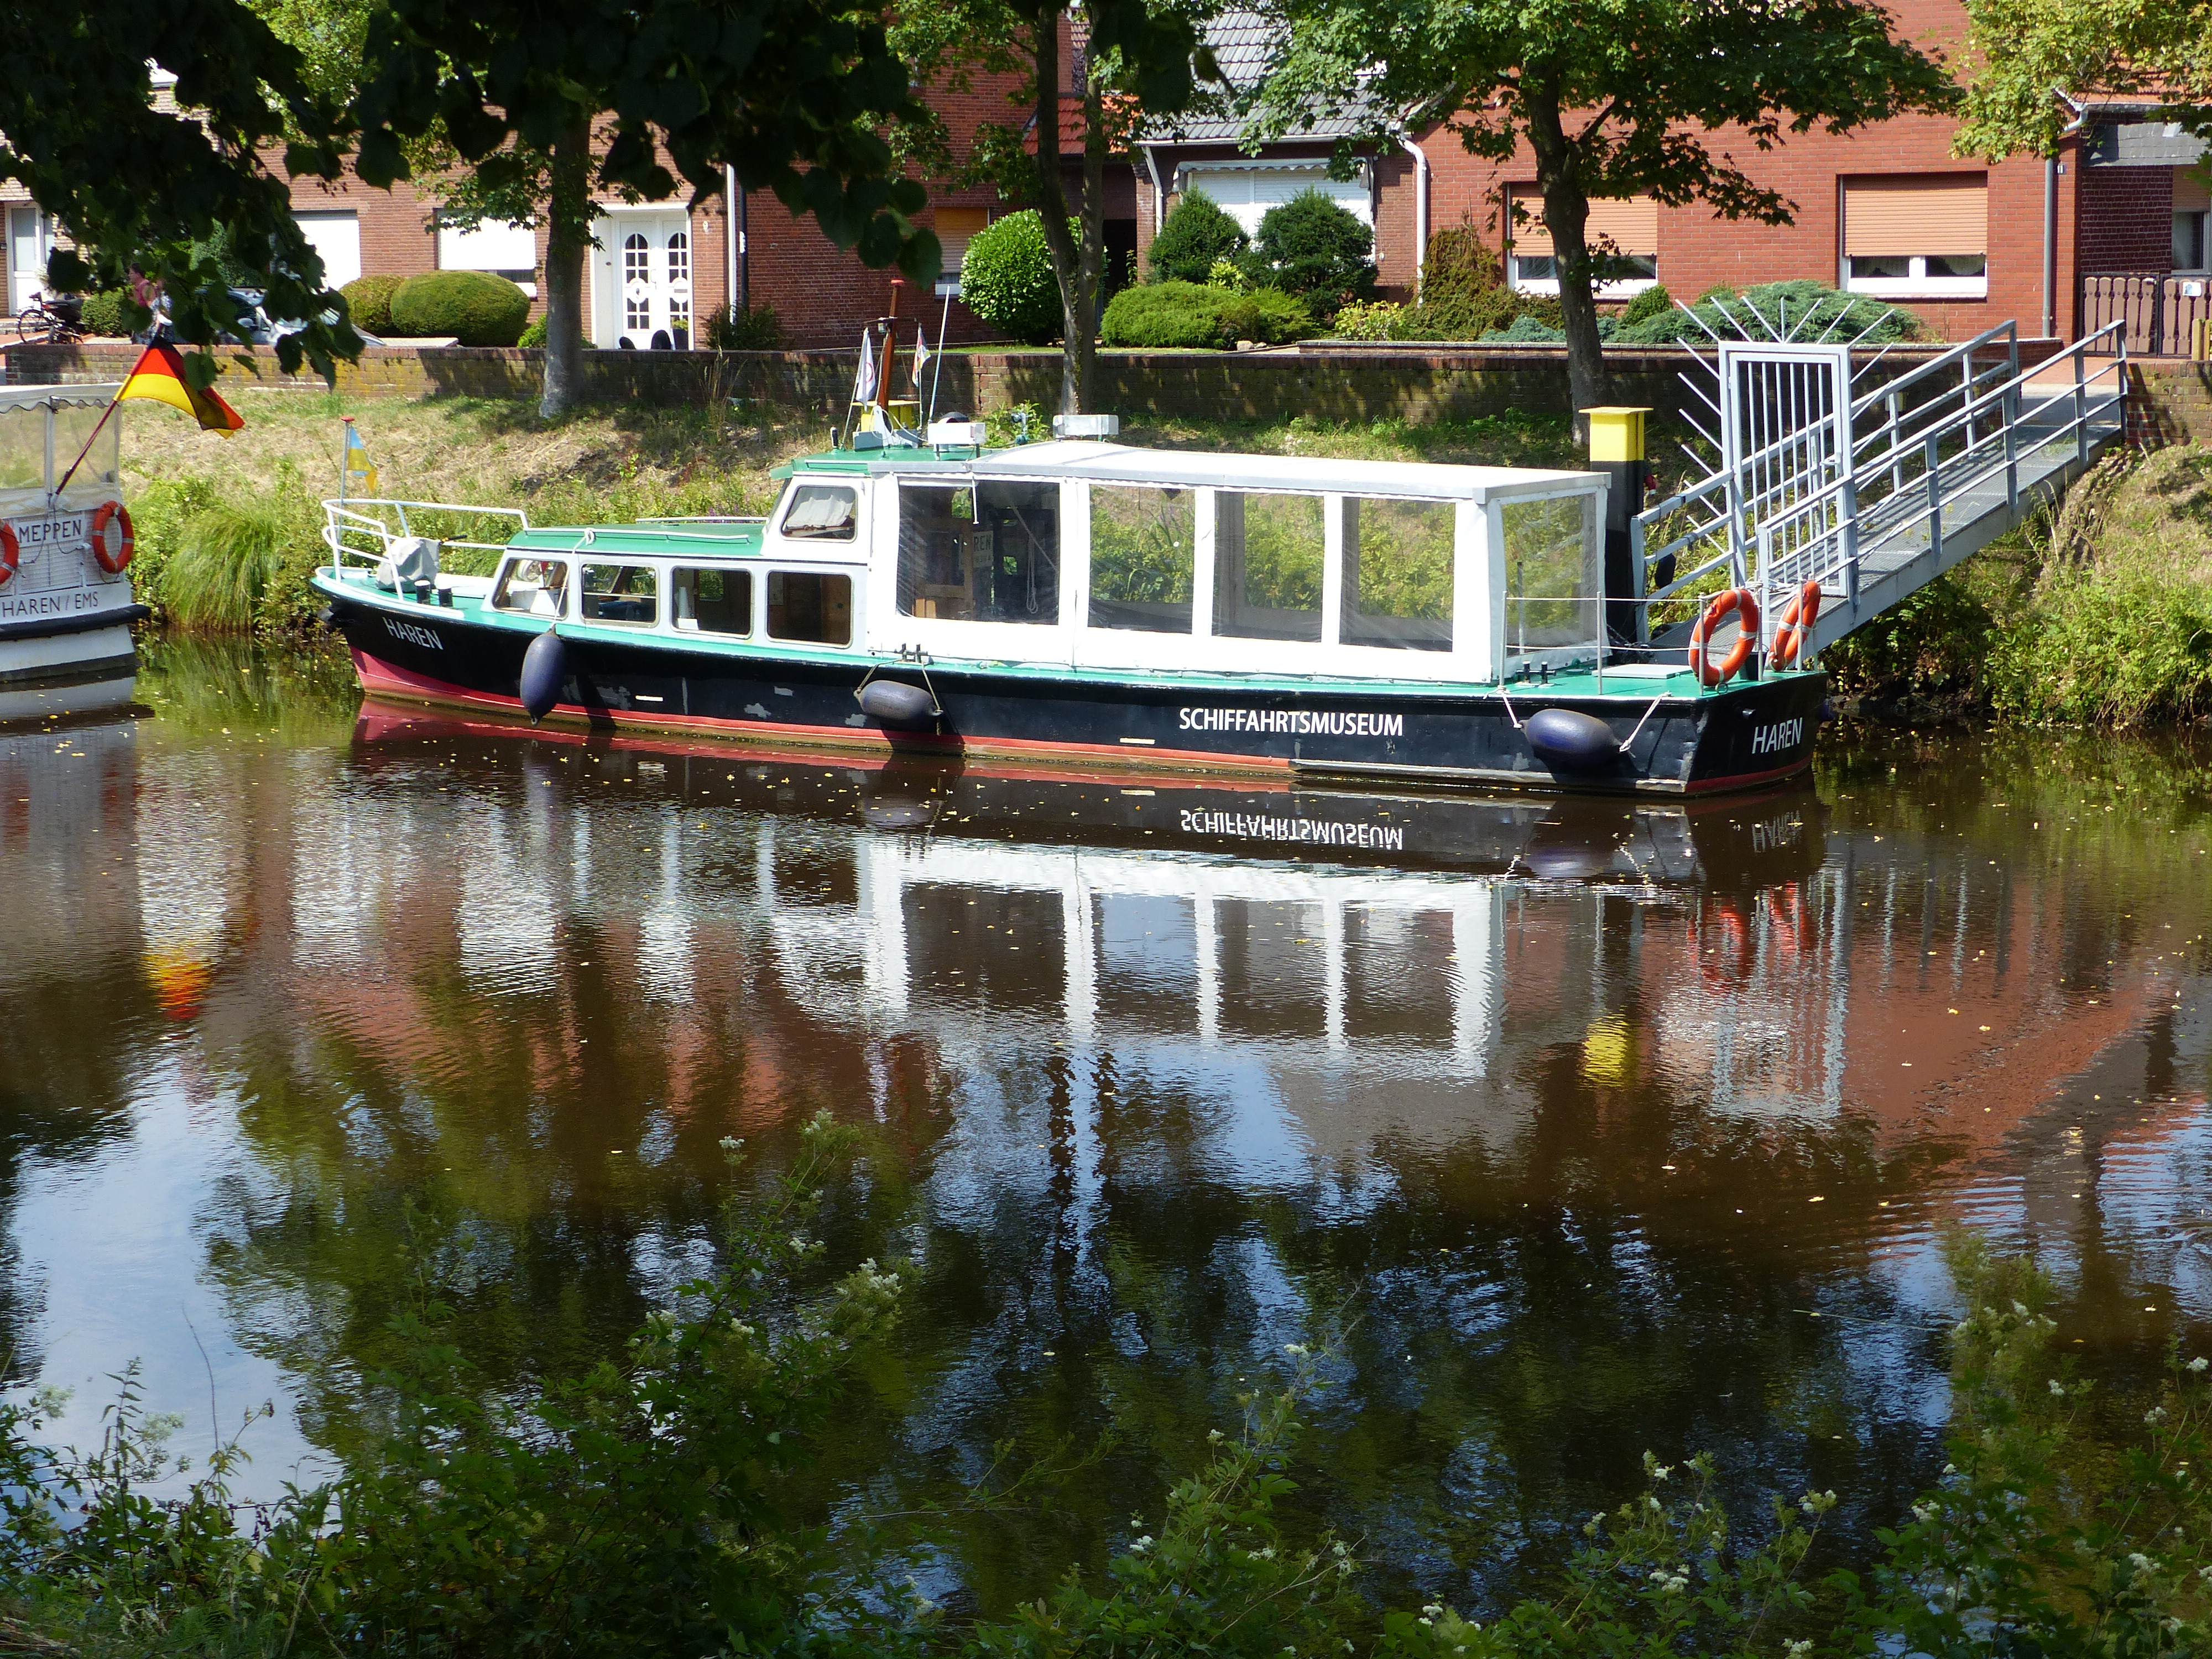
<point x="1749" y="734"/>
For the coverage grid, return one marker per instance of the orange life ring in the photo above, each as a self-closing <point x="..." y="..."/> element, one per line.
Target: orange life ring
<point x="11" y="551"/>
<point x="1735" y="599"/>
<point x="113" y="554"/>
<point x="1796" y="622"/>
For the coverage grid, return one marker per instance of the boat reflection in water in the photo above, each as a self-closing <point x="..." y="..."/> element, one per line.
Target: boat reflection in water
<point x="1361" y="950"/>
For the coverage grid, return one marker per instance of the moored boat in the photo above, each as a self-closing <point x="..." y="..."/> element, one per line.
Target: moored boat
<point x="66" y="606"/>
<point x="1083" y="601"/>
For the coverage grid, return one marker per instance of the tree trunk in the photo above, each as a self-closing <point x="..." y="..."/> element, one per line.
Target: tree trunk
<point x="1566" y="217"/>
<point x="1074" y="265"/>
<point x="568" y="234"/>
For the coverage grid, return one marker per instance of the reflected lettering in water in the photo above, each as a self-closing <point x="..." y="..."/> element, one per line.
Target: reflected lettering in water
<point x="1576" y="1127"/>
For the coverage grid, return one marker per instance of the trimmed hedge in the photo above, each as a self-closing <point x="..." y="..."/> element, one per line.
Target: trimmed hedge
<point x="1158" y="315"/>
<point x="474" y="307"/>
<point x="1007" y="279"/>
<point x="1197" y="235"/>
<point x="368" y="302"/>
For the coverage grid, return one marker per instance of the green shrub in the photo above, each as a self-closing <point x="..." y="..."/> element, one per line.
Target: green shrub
<point x="1226" y="273"/>
<point x="1169" y="315"/>
<point x="1463" y="294"/>
<point x="1366" y="319"/>
<point x="1654" y="302"/>
<point x="104" y="312"/>
<point x="1007" y="279"/>
<point x="1196" y="234"/>
<point x="757" y="329"/>
<point x="1804" y="309"/>
<point x="1277" y="318"/>
<point x="534" y="336"/>
<point x="368" y="302"/>
<point x="1316" y="248"/>
<point x="475" y="306"/>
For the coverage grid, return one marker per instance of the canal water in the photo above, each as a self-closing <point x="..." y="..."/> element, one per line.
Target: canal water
<point x="1559" y="1130"/>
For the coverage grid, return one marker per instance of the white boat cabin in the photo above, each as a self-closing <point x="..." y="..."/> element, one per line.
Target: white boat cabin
<point x="1089" y="554"/>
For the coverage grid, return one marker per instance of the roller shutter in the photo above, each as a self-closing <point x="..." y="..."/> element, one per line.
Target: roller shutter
<point x="1631" y="224"/>
<point x="1917" y="213"/>
<point x="1247" y="193"/>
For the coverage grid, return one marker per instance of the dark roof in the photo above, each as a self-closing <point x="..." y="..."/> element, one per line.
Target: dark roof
<point x="1245" y="44"/>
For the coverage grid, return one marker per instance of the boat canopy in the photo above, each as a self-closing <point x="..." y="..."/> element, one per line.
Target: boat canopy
<point x="42" y="427"/>
<point x="1190" y="470"/>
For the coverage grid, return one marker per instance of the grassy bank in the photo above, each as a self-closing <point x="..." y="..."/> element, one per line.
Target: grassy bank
<point x="228" y="527"/>
<point x="659" y="1503"/>
<point x="2100" y="613"/>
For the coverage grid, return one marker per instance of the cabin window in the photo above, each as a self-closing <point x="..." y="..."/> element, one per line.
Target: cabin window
<point x="988" y="552"/>
<point x="1267" y="553"/>
<point x="712" y="601"/>
<point x="536" y="587"/>
<point x="621" y="594"/>
<point x="810" y="606"/>
<point x="938" y="539"/>
<point x="1143" y="558"/>
<point x="1398" y="573"/>
<point x="1554" y="588"/>
<point x="821" y="513"/>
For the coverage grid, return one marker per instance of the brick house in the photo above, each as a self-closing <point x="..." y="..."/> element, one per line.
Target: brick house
<point x="2119" y="221"/>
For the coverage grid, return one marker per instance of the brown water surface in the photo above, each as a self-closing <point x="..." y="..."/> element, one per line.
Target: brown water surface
<point x="1567" y="1129"/>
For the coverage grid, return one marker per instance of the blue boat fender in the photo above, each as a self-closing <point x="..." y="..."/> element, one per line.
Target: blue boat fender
<point x="893" y="702"/>
<point x="544" y="670"/>
<point x="1571" y="741"/>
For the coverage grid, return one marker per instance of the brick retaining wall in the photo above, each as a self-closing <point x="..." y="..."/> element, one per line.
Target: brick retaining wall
<point x="1330" y="382"/>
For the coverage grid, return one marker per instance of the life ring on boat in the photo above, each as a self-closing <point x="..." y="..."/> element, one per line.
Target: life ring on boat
<point x="11" y="551"/>
<point x="113" y="540"/>
<point x="1796" y="622"/>
<point x="1736" y="600"/>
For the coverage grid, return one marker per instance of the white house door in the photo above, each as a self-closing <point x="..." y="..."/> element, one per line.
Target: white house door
<point x="30" y="240"/>
<point x="641" y="281"/>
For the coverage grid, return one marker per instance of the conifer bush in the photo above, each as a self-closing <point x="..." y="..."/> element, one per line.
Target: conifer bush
<point x="1197" y="235"/>
<point x="1316" y="248"/>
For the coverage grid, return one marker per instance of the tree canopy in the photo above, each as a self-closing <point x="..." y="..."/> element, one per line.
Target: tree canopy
<point x="793" y="94"/>
<point x="2041" y="57"/>
<point x="1130" y="55"/>
<point x="1611" y="97"/>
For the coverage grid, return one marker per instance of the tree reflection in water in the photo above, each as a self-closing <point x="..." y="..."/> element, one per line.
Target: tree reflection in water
<point x="1567" y="1130"/>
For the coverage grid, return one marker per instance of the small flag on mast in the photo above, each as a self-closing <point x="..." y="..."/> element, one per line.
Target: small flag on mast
<point x="160" y="375"/>
<point x="864" y="383"/>
<point x="359" y="469"/>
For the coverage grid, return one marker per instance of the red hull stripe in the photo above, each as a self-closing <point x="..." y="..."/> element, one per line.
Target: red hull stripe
<point x="379" y="676"/>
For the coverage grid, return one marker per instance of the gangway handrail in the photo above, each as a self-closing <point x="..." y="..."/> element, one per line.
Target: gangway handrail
<point x="1869" y="503"/>
<point x="341" y="515"/>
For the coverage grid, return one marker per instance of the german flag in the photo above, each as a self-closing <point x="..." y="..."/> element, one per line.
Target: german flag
<point x="160" y="375"/>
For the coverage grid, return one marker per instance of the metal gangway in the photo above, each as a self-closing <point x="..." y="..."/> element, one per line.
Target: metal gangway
<point x="1870" y="486"/>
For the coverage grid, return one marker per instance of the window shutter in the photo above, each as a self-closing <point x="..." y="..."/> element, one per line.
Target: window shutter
<point x="955" y="226"/>
<point x="2189" y="195"/>
<point x="1631" y="223"/>
<point x="1917" y="213"/>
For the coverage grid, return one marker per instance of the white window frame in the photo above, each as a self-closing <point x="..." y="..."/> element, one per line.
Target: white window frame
<point x="1916" y="286"/>
<point x="855" y="640"/>
<point x="1046" y="643"/>
<point x="1626" y="289"/>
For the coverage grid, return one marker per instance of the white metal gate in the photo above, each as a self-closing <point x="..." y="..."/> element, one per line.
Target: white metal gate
<point x="1785" y="437"/>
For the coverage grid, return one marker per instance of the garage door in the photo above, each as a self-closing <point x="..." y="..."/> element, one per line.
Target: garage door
<point x="1247" y="193"/>
<point x="337" y="237"/>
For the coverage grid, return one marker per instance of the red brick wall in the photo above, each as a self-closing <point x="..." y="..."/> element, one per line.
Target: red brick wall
<point x="1699" y="250"/>
<point x="2127" y="219"/>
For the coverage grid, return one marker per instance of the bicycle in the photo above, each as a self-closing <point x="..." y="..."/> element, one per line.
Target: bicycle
<point x="54" y="322"/>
